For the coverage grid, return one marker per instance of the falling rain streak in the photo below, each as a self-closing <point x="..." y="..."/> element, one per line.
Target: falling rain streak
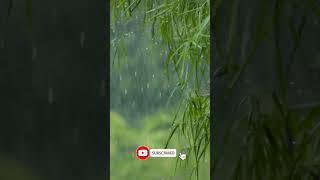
<point x="50" y="95"/>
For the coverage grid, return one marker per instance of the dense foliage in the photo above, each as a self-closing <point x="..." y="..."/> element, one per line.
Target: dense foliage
<point x="185" y="58"/>
<point x="267" y="76"/>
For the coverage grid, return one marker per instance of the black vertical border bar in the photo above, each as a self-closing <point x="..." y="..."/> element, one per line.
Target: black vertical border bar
<point x="103" y="11"/>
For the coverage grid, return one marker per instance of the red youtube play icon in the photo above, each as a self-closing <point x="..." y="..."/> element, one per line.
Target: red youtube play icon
<point x="142" y="152"/>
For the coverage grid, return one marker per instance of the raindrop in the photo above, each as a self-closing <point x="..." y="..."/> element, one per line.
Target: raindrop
<point x="82" y="38"/>
<point x="316" y="75"/>
<point x="50" y="95"/>
<point x="135" y="73"/>
<point x="291" y="83"/>
<point x="103" y="88"/>
<point x="299" y="91"/>
<point x="153" y="76"/>
<point x="75" y="135"/>
<point x="34" y="52"/>
<point x="113" y="42"/>
<point x="142" y="89"/>
<point x="120" y="78"/>
<point x="54" y="11"/>
<point x="2" y="44"/>
<point x="147" y="49"/>
<point x="160" y="94"/>
<point x="148" y="85"/>
<point x="125" y="91"/>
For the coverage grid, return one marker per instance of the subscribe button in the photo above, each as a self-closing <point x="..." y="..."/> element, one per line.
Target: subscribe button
<point x="163" y="153"/>
<point x="144" y="152"/>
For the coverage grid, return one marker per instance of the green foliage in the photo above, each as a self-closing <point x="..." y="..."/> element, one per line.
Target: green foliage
<point x="270" y="137"/>
<point x="182" y="28"/>
<point x="194" y="126"/>
<point x="279" y="144"/>
<point x="181" y="25"/>
<point x="125" y="139"/>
